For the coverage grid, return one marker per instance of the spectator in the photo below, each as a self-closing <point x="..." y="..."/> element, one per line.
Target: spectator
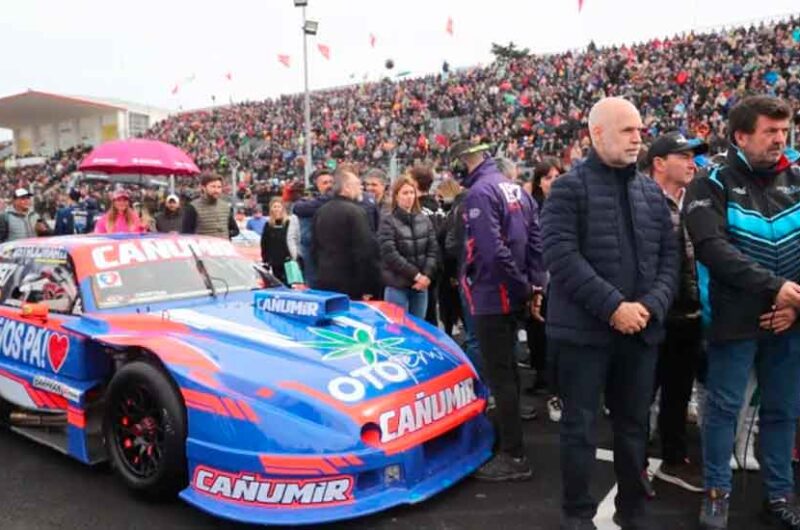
<point x="502" y="275"/>
<point x="304" y="210"/>
<point x="121" y="218"/>
<point x="543" y="360"/>
<point x="20" y="221"/>
<point x="753" y="303"/>
<point x="171" y="219"/>
<point x="449" y="298"/>
<point x="274" y="241"/>
<point x="344" y="249"/>
<point x="544" y="174"/>
<point x="208" y="214"/>
<point x="65" y="215"/>
<point x="612" y="256"/>
<point x="257" y="221"/>
<point x="670" y="162"/>
<point x="408" y="250"/>
<point x="375" y="185"/>
<point x="429" y="206"/>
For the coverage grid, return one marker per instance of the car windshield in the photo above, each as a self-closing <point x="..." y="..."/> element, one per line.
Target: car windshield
<point x="175" y="279"/>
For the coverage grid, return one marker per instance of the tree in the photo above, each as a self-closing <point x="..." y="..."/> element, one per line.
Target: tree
<point x="510" y="52"/>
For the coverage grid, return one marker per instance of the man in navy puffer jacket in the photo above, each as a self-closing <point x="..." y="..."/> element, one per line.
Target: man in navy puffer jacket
<point x="613" y="259"/>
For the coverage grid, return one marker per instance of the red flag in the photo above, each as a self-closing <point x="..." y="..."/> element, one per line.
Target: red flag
<point x="372" y="39"/>
<point x="229" y="76"/>
<point x="580" y="5"/>
<point x="284" y="60"/>
<point x="324" y="50"/>
<point x="449" y="28"/>
<point x="175" y="90"/>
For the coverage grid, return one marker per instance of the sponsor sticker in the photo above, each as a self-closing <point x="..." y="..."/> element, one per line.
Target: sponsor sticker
<point x="109" y="280"/>
<point x="57" y="387"/>
<point x="38" y="347"/>
<point x="254" y="490"/>
<point x="426" y="410"/>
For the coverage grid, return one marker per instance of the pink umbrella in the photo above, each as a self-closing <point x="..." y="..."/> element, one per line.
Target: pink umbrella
<point x="145" y="157"/>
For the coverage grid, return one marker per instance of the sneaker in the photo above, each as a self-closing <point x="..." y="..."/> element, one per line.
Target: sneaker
<point x="685" y="475"/>
<point x="647" y="485"/>
<point x="554" y="409"/>
<point x="744" y="454"/>
<point x="576" y="523"/>
<point x="783" y="512"/>
<point x="504" y="468"/>
<point x="714" y="510"/>
<point x="528" y="412"/>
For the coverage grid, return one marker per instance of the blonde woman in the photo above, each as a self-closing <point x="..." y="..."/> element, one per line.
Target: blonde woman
<point x="120" y="218"/>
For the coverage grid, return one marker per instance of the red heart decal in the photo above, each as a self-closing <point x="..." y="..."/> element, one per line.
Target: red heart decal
<point x="57" y="350"/>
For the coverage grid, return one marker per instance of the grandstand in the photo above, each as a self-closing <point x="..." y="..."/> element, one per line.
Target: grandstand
<point x="530" y="107"/>
<point x="44" y="123"/>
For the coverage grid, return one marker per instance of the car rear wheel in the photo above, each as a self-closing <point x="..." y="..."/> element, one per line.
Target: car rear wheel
<point x="145" y="430"/>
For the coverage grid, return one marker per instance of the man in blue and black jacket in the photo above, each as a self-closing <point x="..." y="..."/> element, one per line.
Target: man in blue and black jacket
<point x="612" y="254"/>
<point x="744" y="222"/>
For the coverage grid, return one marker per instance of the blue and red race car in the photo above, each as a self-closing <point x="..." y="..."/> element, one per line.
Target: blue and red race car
<point x="193" y="373"/>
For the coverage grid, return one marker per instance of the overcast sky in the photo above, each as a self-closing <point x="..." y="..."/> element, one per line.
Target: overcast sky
<point x="138" y="51"/>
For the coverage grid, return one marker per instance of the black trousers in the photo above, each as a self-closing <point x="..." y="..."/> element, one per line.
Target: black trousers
<point x="497" y="335"/>
<point x="625" y="370"/>
<point x="678" y="359"/>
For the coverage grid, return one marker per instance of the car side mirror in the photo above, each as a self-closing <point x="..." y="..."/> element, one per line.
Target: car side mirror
<point x="35" y="311"/>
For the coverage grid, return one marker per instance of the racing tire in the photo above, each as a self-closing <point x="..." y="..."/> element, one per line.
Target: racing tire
<point x="145" y="431"/>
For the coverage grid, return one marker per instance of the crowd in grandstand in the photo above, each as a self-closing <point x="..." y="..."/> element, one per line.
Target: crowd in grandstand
<point x="530" y="107"/>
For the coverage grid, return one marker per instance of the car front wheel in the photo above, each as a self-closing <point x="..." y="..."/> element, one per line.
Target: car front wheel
<point x="145" y="430"/>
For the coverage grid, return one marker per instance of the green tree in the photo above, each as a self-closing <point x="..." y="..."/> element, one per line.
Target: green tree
<point x="509" y="53"/>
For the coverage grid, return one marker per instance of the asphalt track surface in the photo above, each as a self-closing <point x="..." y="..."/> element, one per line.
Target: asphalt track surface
<point x="43" y="490"/>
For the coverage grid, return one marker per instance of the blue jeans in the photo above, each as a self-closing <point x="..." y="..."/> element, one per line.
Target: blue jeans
<point x="470" y="340"/>
<point x="413" y="301"/>
<point x="777" y="366"/>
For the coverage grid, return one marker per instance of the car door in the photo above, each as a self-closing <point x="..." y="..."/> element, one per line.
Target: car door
<point x="42" y="365"/>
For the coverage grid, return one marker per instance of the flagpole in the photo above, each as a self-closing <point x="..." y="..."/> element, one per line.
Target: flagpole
<point x="308" y="163"/>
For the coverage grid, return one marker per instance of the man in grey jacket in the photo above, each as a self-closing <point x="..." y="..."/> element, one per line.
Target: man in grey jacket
<point x="20" y="221"/>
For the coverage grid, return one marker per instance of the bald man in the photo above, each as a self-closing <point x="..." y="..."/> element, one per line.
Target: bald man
<point x="613" y="259"/>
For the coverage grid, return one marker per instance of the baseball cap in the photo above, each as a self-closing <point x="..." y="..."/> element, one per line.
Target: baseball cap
<point x="121" y="194"/>
<point x="675" y="142"/>
<point x="173" y="198"/>
<point x="21" y="193"/>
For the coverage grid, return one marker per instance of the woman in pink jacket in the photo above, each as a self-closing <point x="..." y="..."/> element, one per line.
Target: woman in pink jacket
<point x="120" y="218"/>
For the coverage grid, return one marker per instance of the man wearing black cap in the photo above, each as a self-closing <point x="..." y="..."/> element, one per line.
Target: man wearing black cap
<point x="670" y="161"/>
<point x="501" y="277"/>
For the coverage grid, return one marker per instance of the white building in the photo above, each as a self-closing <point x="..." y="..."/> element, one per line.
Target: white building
<point x="43" y="123"/>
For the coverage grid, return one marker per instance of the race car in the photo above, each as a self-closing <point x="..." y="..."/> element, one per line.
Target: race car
<point x="194" y="372"/>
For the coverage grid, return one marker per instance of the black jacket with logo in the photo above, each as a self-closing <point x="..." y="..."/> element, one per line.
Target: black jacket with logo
<point x="745" y="227"/>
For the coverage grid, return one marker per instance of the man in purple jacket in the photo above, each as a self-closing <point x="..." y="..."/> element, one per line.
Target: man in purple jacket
<point x="502" y="277"/>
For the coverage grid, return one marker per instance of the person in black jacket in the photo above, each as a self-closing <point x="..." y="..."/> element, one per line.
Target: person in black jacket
<point x="408" y="250"/>
<point x="423" y="175"/>
<point x="611" y="251"/>
<point x="343" y="247"/>
<point x="274" y="245"/>
<point x="171" y="219"/>
<point x="670" y="161"/>
<point x="743" y="220"/>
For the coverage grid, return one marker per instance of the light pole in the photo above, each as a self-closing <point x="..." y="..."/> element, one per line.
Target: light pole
<point x="309" y="28"/>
